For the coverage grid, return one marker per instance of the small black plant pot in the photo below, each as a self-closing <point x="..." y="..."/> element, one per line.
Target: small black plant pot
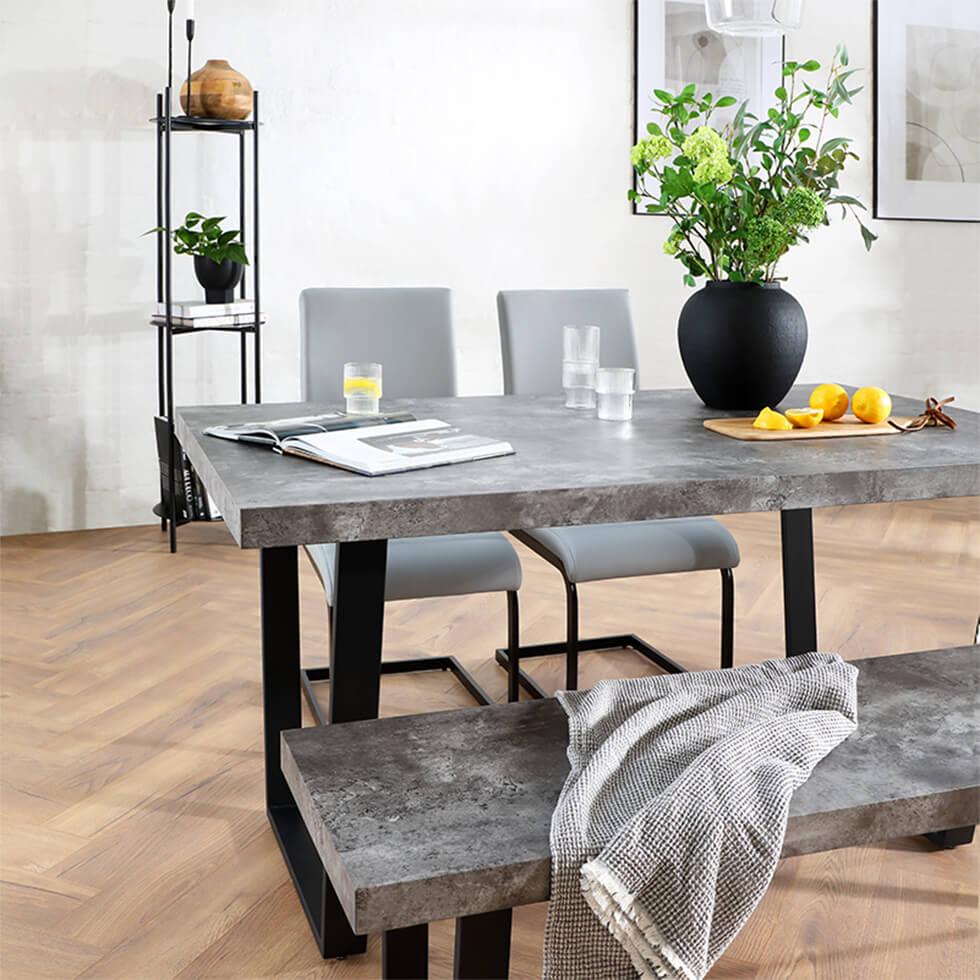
<point x="219" y="279"/>
<point x="742" y="344"/>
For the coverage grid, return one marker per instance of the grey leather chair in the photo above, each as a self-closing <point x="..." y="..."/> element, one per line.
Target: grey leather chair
<point x="531" y="324"/>
<point x="409" y="332"/>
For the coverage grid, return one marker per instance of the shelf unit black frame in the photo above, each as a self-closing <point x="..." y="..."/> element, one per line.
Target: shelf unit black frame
<point x="166" y="125"/>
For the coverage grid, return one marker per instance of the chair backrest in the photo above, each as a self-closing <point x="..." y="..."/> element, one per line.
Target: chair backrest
<point x="531" y="322"/>
<point x="406" y="330"/>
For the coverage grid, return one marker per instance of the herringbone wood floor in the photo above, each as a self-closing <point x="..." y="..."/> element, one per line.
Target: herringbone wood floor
<point x="133" y="839"/>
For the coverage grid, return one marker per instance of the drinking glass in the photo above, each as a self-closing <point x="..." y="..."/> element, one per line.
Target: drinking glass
<point x="580" y="352"/>
<point x="614" y="394"/>
<point x="362" y="387"/>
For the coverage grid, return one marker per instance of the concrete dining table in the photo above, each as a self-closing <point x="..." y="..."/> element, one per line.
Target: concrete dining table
<point x="569" y="468"/>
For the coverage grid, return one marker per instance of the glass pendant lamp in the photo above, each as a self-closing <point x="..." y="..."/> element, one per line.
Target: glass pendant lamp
<point x="753" y="18"/>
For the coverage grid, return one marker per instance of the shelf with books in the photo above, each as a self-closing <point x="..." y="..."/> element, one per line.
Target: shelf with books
<point x="177" y="318"/>
<point x="194" y="317"/>
<point x="178" y="330"/>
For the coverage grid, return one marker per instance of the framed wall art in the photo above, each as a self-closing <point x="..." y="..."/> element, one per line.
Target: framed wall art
<point x="927" y="110"/>
<point x="674" y="46"/>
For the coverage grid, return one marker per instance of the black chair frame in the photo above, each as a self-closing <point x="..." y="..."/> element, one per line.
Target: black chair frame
<point x="315" y="675"/>
<point x="573" y="645"/>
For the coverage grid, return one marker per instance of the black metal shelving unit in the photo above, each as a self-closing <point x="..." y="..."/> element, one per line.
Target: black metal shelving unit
<point x="166" y="126"/>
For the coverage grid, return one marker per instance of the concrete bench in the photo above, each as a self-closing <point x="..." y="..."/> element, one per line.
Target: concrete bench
<point x="446" y="815"/>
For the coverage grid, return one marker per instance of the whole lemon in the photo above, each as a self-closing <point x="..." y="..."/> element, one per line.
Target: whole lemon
<point x="832" y="399"/>
<point x="871" y="405"/>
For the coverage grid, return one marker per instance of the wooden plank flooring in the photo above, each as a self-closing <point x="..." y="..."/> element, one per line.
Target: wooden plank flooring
<point x="133" y="841"/>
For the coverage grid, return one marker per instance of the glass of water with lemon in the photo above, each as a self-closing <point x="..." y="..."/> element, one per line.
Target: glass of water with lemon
<point x="362" y="387"/>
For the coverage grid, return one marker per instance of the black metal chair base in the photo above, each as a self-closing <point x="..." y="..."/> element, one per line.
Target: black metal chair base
<point x="313" y="675"/>
<point x="627" y="641"/>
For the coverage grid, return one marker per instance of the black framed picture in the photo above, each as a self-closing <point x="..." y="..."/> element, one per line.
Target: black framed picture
<point x="927" y="110"/>
<point x="673" y="46"/>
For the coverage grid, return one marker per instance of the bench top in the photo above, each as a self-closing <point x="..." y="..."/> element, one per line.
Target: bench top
<point x="426" y="817"/>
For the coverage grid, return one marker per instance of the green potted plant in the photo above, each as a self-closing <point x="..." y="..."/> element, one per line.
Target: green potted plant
<point x="219" y="256"/>
<point x="740" y="197"/>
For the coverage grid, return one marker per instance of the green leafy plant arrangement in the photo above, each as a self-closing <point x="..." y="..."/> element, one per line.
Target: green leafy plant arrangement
<point x="203" y="236"/>
<point x="742" y="196"/>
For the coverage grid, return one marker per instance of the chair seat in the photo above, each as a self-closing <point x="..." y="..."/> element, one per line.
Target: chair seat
<point x="442" y="565"/>
<point x="596" y="552"/>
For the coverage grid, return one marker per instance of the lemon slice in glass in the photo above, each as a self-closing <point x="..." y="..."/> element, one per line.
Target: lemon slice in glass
<point x="362" y="386"/>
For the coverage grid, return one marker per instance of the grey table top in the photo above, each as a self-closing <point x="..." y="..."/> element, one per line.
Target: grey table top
<point x="569" y="468"/>
<point x="426" y="817"/>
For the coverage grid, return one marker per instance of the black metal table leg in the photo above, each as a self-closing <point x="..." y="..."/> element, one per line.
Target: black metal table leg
<point x="483" y="946"/>
<point x="279" y="577"/>
<point x="405" y="953"/>
<point x="357" y="628"/>
<point x="799" y="582"/>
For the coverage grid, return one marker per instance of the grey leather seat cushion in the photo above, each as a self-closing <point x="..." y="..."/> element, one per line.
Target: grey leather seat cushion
<point x="595" y="552"/>
<point x="443" y="565"/>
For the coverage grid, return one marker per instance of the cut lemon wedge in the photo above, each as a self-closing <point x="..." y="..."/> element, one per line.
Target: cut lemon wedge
<point x="805" y="418"/>
<point x="768" y="419"/>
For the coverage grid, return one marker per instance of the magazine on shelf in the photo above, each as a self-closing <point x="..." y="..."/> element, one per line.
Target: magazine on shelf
<point x="271" y="432"/>
<point x="395" y="448"/>
<point x="193" y="502"/>
<point x="194" y="309"/>
<point x="208" y="322"/>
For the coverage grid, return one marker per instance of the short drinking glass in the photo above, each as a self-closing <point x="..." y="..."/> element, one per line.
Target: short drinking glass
<point x="580" y="352"/>
<point x="362" y="388"/>
<point x="614" y="394"/>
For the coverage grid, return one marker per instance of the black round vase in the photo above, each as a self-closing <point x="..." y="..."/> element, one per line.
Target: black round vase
<point x="742" y="343"/>
<point x="219" y="279"/>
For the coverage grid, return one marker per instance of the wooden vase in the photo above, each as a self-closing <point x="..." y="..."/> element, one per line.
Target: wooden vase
<point x="218" y="92"/>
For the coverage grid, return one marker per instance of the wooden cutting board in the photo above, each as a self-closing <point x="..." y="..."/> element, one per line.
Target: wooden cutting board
<point x="849" y="425"/>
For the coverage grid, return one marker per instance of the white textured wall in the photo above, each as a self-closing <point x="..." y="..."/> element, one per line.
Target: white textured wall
<point x="478" y="144"/>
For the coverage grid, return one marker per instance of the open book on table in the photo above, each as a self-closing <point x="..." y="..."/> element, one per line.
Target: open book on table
<point x="395" y="448"/>
<point x="273" y="431"/>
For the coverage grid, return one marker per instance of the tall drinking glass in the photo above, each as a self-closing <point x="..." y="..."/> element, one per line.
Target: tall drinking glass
<point x="580" y="352"/>
<point x="362" y="387"/>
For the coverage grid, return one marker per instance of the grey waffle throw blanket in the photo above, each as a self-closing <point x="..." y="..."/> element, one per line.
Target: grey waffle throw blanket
<point x="669" y="827"/>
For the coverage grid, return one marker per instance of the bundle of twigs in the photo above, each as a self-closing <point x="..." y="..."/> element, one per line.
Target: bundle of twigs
<point x="933" y="416"/>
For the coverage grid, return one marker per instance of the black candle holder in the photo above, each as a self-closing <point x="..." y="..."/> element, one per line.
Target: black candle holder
<point x="189" y="30"/>
<point x="171" y="4"/>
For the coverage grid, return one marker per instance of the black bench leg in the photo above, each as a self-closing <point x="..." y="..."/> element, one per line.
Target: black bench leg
<point x="956" y="837"/>
<point x="799" y="581"/>
<point x="483" y="946"/>
<point x="405" y="953"/>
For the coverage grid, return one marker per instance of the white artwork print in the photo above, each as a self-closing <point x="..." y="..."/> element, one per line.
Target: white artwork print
<point x="927" y="111"/>
<point x="675" y="46"/>
<point x="942" y="104"/>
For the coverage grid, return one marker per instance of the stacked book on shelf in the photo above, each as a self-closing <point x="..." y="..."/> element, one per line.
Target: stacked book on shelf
<point x="193" y="501"/>
<point x="195" y="315"/>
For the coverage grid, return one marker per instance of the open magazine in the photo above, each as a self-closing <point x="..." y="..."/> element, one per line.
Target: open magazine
<point x="273" y="432"/>
<point x="395" y="448"/>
